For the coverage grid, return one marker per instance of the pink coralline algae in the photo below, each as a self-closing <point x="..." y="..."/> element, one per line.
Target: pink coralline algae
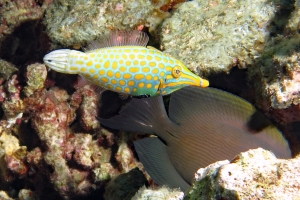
<point x="12" y="105"/>
<point x="73" y="152"/>
<point x="13" y="13"/>
<point x="88" y="98"/>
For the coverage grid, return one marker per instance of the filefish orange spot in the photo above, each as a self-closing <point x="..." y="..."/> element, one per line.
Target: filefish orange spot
<point x="124" y="55"/>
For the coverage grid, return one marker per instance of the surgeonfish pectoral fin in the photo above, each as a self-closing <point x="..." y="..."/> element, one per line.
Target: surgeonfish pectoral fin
<point x="140" y="115"/>
<point x="154" y="155"/>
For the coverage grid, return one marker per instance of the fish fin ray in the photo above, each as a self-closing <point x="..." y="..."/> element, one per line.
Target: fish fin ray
<point x="82" y="81"/>
<point x="119" y="38"/>
<point x="219" y="108"/>
<point x="154" y="156"/>
<point x="123" y="96"/>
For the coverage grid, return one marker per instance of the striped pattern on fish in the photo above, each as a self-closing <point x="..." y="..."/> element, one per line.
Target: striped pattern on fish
<point x="134" y="70"/>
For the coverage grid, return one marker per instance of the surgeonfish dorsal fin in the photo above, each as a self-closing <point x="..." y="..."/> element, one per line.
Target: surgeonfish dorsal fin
<point x="140" y="115"/>
<point x="153" y="154"/>
<point x="119" y="38"/>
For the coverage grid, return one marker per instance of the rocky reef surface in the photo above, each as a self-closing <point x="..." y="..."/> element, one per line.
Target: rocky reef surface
<point x="255" y="174"/>
<point x="51" y="145"/>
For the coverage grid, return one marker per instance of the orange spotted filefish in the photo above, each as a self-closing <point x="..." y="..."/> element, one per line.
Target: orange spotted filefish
<point x="122" y="63"/>
<point x="203" y="125"/>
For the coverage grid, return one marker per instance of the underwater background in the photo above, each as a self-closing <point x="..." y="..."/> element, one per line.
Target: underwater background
<point x="53" y="147"/>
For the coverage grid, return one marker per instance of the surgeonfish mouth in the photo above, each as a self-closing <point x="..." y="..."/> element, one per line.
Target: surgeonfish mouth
<point x="204" y="125"/>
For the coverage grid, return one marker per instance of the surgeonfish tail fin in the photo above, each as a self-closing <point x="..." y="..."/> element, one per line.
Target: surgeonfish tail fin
<point x="153" y="154"/>
<point x="140" y="115"/>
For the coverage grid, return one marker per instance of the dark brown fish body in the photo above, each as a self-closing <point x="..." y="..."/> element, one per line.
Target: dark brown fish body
<point x="203" y="126"/>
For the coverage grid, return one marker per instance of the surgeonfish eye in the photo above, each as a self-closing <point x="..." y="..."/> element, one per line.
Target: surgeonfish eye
<point x="176" y="72"/>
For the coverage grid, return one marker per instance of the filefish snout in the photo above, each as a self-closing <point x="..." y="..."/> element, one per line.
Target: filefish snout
<point x="122" y="63"/>
<point x="57" y="60"/>
<point x="180" y="76"/>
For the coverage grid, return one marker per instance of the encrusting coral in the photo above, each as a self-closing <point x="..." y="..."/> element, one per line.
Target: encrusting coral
<point x="74" y="162"/>
<point x="72" y="23"/>
<point x="214" y="36"/>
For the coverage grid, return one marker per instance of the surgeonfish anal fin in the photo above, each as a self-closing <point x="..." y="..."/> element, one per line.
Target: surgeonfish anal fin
<point x="154" y="155"/>
<point x="119" y="38"/>
<point x="140" y="115"/>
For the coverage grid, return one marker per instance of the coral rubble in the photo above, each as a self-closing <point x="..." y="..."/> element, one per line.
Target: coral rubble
<point x="214" y="36"/>
<point x="75" y="163"/>
<point x="163" y="193"/>
<point x="255" y="174"/>
<point x="73" y="23"/>
<point x="13" y="13"/>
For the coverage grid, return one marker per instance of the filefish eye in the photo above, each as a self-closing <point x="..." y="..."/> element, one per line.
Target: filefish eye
<point x="176" y="72"/>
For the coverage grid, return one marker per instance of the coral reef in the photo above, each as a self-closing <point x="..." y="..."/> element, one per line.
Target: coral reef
<point x="214" y="36"/>
<point x="162" y="193"/>
<point x="255" y="174"/>
<point x="276" y="73"/>
<point x="125" y="185"/>
<point x="86" y="97"/>
<point x="13" y="13"/>
<point x="75" y="163"/>
<point x="36" y="75"/>
<point x="51" y="145"/>
<point x="276" y="76"/>
<point x="6" y="69"/>
<point x="73" y="23"/>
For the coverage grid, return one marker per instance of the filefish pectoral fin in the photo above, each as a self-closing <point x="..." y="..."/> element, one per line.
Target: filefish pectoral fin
<point x="153" y="154"/>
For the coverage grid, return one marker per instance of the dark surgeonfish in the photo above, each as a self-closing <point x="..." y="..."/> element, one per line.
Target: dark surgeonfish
<point x="204" y="125"/>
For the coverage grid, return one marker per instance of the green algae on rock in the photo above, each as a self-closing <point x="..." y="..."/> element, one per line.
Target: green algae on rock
<point x="78" y="22"/>
<point x="213" y="36"/>
<point x="162" y="193"/>
<point x="276" y="73"/>
<point x="6" y="69"/>
<point x="36" y="75"/>
<point x="13" y="13"/>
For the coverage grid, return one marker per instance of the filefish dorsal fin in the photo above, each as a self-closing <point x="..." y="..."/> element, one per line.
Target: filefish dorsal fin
<point x="119" y="38"/>
<point x="154" y="156"/>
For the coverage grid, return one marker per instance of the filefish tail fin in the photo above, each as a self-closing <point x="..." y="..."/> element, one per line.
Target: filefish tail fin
<point x="140" y="115"/>
<point x="153" y="154"/>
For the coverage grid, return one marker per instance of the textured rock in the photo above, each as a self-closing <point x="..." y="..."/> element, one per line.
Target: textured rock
<point x="125" y="185"/>
<point x="6" y="69"/>
<point x="13" y="13"/>
<point x="78" y="22"/>
<point x="276" y="74"/>
<point x="163" y="193"/>
<point x="255" y="174"/>
<point x="213" y="36"/>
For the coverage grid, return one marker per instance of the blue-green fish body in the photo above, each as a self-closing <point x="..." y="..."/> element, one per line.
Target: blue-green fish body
<point x="134" y="70"/>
